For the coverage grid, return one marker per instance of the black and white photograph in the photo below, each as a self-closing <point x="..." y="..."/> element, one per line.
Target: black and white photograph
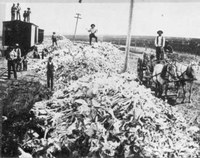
<point x="100" y="78"/>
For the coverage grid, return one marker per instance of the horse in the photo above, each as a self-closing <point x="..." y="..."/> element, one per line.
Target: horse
<point x="162" y="75"/>
<point x="186" y="75"/>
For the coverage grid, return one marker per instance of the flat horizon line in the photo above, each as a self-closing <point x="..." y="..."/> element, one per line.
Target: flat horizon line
<point x="123" y="36"/>
<point x="126" y="35"/>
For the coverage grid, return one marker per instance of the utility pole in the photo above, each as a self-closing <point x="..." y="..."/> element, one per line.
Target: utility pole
<point x="77" y="18"/>
<point x="128" y="39"/>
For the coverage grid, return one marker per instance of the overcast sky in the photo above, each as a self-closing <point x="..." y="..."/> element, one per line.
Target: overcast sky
<point x="178" y="19"/>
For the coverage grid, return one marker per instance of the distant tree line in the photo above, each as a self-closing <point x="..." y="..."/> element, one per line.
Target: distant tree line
<point x="183" y="45"/>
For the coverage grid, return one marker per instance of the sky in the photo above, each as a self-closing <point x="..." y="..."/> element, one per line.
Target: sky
<point x="177" y="19"/>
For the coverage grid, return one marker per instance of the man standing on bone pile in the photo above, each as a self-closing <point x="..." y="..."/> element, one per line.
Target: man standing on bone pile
<point x="160" y="44"/>
<point x="92" y="31"/>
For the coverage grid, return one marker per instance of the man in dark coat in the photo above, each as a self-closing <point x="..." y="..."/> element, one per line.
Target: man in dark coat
<point x="25" y="63"/>
<point x="54" y="39"/>
<point x="25" y="16"/>
<point x="50" y="71"/>
<point x="168" y="48"/>
<point x="169" y="51"/>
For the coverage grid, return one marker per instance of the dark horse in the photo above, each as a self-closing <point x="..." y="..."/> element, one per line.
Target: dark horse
<point x="186" y="76"/>
<point x="162" y="75"/>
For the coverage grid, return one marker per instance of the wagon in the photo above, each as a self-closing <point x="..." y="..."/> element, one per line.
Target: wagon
<point x="145" y="67"/>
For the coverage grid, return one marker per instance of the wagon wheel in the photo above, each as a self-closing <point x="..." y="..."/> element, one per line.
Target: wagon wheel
<point x="139" y="69"/>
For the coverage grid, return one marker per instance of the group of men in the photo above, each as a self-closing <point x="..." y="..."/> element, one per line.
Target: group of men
<point x="162" y="46"/>
<point x="15" y="60"/>
<point x="92" y="35"/>
<point x="15" y="13"/>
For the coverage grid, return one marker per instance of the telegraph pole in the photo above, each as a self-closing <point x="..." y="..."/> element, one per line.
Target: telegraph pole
<point x="77" y="18"/>
<point x="128" y="39"/>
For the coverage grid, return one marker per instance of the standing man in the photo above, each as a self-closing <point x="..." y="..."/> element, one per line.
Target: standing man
<point x="19" y="57"/>
<point x="12" y="56"/>
<point x="28" y="14"/>
<point x="50" y="70"/>
<point x="35" y="53"/>
<point x="13" y="12"/>
<point x="25" y="63"/>
<point x="18" y="8"/>
<point x="92" y="31"/>
<point x="160" y="44"/>
<point x="25" y="16"/>
<point x="54" y="39"/>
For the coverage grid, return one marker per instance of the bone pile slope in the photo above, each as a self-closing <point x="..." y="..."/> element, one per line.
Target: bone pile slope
<point x="97" y="111"/>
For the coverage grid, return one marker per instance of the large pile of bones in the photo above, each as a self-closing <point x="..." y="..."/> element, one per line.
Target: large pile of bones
<point x="97" y="112"/>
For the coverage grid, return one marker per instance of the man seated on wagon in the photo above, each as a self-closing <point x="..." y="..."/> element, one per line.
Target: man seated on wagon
<point x="170" y="55"/>
<point x="168" y="49"/>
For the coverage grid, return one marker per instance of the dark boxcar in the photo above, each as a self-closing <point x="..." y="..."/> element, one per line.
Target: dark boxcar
<point x="19" y="32"/>
<point x="40" y="35"/>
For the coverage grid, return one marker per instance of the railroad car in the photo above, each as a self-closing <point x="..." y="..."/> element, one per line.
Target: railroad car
<point x="24" y="33"/>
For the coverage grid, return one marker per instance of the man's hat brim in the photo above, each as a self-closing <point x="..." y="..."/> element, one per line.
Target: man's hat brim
<point x="160" y="31"/>
<point x="92" y="25"/>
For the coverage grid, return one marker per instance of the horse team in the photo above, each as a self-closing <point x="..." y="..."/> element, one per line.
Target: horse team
<point x="167" y="74"/>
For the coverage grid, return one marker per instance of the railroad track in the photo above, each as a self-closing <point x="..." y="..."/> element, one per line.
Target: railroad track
<point x="3" y="74"/>
<point x="3" y="84"/>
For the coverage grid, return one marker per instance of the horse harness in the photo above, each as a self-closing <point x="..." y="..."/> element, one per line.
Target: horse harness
<point x="164" y="76"/>
<point x="181" y="77"/>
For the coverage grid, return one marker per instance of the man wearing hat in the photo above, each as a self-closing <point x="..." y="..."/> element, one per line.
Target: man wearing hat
<point x="50" y="70"/>
<point x="92" y="31"/>
<point x="28" y="12"/>
<point x="54" y="39"/>
<point x="18" y="12"/>
<point x="160" y="44"/>
<point x="25" y="16"/>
